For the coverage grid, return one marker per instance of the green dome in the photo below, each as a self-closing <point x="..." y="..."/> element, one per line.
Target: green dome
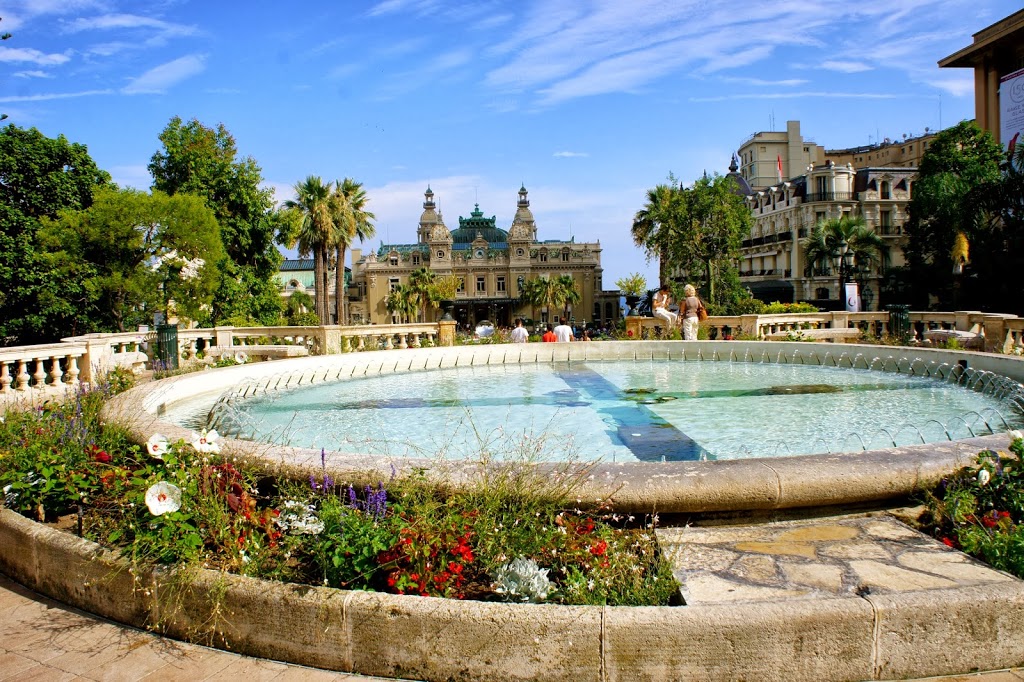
<point x="477" y="224"/>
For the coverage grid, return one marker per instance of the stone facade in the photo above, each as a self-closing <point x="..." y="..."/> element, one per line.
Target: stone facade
<point x="772" y="262"/>
<point x="493" y="264"/>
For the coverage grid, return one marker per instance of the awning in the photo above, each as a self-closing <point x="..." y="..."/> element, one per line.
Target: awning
<point x="771" y="290"/>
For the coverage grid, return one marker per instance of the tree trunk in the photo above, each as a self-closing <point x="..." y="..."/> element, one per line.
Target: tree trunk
<point x="711" y="281"/>
<point x="340" y="294"/>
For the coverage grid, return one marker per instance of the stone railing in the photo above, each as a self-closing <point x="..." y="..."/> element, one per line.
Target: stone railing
<point x="999" y="333"/>
<point x="58" y="366"/>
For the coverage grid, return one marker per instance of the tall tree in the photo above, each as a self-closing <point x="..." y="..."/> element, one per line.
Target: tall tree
<point x="422" y="282"/>
<point x="314" y="235"/>
<point x="569" y="293"/>
<point x="713" y="218"/>
<point x="204" y="161"/>
<point x="961" y="166"/>
<point x="39" y="176"/>
<point x="351" y="221"/>
<point x="656" y="226"/>
<point x="549" y="292"/>
<point x="132" y="253"/>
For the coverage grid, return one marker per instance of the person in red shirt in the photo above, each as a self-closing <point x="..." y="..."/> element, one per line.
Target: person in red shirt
<point x="549" y="335"/>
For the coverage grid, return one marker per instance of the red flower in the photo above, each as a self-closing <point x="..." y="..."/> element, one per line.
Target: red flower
<point x="599" y="548"/>
<point x="629" y="333"/>
<point x="948" y="543"/>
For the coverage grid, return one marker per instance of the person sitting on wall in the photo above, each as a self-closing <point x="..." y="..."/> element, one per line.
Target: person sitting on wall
<point x="519" y="334"/>
<point x="662" y="300"/>
<point x="549" y="335"/>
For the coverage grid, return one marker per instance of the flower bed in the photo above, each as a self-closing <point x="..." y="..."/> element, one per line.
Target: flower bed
<point x="514" y="537"/>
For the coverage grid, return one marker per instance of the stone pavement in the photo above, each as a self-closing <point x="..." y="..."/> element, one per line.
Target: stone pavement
<point x="823" y="557"/>
<point x="41" y="639"/>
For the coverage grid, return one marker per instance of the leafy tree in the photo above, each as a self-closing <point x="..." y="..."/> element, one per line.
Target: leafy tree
<point x="569" y="292"/>
<point x="960" y="169"/>
<point x="314" y="234"/>
<point x="552" y="293"/>
<point x="199" y="160"/>
<point x="39" y="176"/>
<point x="298" y="310"/>
<point x="351" y="221"/>
<point x="132" y="253"/>
<point x="712" y="217"/>
<point x="403" y="302"/>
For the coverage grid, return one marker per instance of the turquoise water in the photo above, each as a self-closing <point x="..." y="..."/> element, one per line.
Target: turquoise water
<point x="622" y="411"/>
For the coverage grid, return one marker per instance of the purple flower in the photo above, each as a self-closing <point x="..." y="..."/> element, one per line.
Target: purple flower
<point x="312" y="482"/>
<point x="353" y="502"/>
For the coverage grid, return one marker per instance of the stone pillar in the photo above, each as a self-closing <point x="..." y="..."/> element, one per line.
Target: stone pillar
<point x="749" y="326"/>
<point x="963" y="320"/>
<point x="223" y="336"/>
<point x="997" y="340"/>
<point x="840" y="319"/>
<point x="97" y="359"/>
<point x="332" y="342"/>
<point x="634" y="326"/>
<point x="446" y="333"/>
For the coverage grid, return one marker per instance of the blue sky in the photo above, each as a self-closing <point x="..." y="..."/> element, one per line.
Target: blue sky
<point x="587" y="103"/>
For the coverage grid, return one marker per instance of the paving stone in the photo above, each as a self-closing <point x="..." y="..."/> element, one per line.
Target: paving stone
<point x="823" y="533"/>
<point x="862" y="549"/>
<point x="712" y="589"/>
<point x="759" y="569"/>
<point x="878" y="575"/>
<point x="952" y="565"/>
<point x="827" y="578"/>
<point x="803" y="549"/>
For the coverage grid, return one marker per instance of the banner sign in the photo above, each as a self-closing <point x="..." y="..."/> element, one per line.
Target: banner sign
<point x="852" y="298"/>
<point x="1011" y="110"/>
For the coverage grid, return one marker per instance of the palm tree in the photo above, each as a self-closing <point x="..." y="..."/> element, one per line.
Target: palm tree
<point x="656" y="225"/>
<point x="828" y="235"/>
<point x="315" y="234"/>
<point x="351" y="221"/>
<point x="422" y="282"/>
<point x="402" y="302"/>
<point x="568" y="292"/>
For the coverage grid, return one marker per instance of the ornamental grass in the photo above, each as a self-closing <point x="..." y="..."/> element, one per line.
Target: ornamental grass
<point x="514" y="536"/>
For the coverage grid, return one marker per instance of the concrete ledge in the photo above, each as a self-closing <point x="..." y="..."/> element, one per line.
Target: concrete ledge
<point x="912" y="634"/>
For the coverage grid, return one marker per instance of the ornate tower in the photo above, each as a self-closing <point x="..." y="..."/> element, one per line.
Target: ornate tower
<point x="429" y="218"/>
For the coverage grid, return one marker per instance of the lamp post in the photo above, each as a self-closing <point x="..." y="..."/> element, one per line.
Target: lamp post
<point x="842" y="257"/>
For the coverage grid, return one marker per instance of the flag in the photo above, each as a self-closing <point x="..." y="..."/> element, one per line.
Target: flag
<point x="778" y="161"/>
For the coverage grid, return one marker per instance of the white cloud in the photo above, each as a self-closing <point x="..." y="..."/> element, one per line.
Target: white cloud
<point x="845" y="67"/>
<point x="956" y="84"/>
<point x="570" y="155"/>
<point x="160" y="78"/>
<point x="788" y="82"/>
<point x="54" y="95"/>
<point x="128" y="21"/>
<point x="32" y="74"/>
<point x="27" y="54"/>
<point x="799" y="95"/>
<point x="137" y="177"/>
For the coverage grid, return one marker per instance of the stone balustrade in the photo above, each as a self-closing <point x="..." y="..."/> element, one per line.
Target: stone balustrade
<point x="53" y="365"/>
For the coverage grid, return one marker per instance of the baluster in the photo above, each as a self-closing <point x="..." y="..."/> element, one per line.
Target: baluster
<point x="389" y="342"/>
<point x="401" y="340"/>
<point x="362" y="342"/>
<point x="415" y="340"/>
<point x="5" y="378"/>
<point x="73" y="370"/>
<point x="432" y="338"/>
<point x="39" y="375"/>
<point x="55" y="371"/>
<point x="23" y="376"/>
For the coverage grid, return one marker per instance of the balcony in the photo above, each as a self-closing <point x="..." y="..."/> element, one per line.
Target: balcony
<point x="889" y="230"/>
<point x="829" y="196"/>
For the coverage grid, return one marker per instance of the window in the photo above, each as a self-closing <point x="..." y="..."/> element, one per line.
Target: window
<point x="415" y="259"/>
<point x="481" y="284"/>
<point x="821" y="185"/>
<point x="520" y="252"/>
<point x="462" y="286"/>
<point x="394" y="260"/>
<point x="499" y="284"/>
<point x="393" y="282"/>
<point x="565" y="256"/>
<point x="543" y="256"/>
<point x="885" y="220"/>
<point x="886" y="191"/>
<point x="440" y="254"/>
<point x="819" y="216"/>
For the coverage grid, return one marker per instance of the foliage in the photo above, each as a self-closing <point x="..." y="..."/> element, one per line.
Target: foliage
<point x="351" y="221"/>
<point x="551" y="292"/>
<point x="634" y="284"/>
<point x="204" y="161"/>
<point x="421" y="282"/>
<point x="980" y="509"/>
<point x="960" y="168"/>
<point x="657" y="225"/>
<point x="297" y="310"/>
<point x="131" y="254"/>
<point x="39" y="177"/>
<point x="828" y="235"/>
<point x="311" y="232"/>
<point x="184" y="504"/>
<point x="403" y="302"/>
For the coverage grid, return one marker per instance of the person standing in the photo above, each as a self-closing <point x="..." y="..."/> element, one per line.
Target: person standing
<point x="662" y="300"/>
<point x="549" y="335"/>
<point x="563" y="332"/>
<point x="519" y="334"/>
<point x="690" y="312"/>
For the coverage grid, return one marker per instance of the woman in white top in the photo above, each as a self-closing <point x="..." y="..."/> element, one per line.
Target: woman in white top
<point x="662" y="300"/>
<point x="689" y="312"/>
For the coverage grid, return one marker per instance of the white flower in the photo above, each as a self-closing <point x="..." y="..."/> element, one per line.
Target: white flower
<point x="162" y="498"/>
<point x="241" y="357"/>
<point x="206" y="441"/>
<point x="983" y="477"/>
<point x="297" y="518"/>
<point x="1014" y="435"/>
<point x="523" y="580"/>
<point x="157" y="445"/>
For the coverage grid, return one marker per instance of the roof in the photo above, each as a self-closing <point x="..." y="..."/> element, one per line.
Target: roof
<point x="476" y="224"/>
<point x="1008" y="31"/>
<point x="300" y="265"/>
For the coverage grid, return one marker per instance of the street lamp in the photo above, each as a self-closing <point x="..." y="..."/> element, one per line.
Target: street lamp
<point x="842" y="257"/>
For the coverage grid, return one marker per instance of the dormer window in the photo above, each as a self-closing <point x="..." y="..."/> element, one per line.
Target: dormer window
<point x="565" y="256"/>
<point x="415" y="259"/>
<point x="543" y="256"/>
<point x="393" y="260"/>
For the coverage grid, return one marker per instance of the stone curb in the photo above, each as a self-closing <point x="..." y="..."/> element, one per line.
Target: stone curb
<point x="761" y="484"/>
<point x="911" y="634"/>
